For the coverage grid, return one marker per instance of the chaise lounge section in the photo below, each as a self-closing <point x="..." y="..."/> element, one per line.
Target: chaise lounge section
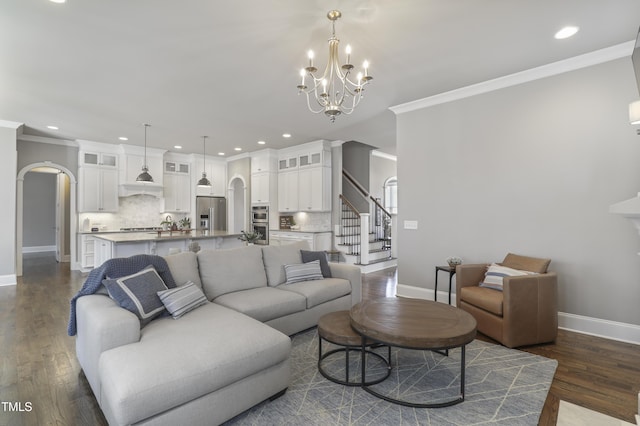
<point x="219" y="359"/>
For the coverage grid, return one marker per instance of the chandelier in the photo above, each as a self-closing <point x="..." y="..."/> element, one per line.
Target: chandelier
<point x="335" y="92"/>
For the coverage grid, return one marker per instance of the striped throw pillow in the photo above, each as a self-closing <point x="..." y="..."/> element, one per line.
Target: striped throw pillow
<point x="183" y="299"/>
<point x="303" y="272"/>
<point x="496" y="273"/>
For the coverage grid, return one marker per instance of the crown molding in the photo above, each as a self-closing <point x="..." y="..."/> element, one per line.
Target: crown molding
<point x="577" y="62"/>
<point x="384" y="155"/>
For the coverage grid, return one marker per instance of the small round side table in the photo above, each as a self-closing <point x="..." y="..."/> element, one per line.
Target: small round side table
<point x="335" y="328"/>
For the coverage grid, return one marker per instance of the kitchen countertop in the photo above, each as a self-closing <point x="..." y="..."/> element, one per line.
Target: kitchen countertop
<point x="134" y="237"/>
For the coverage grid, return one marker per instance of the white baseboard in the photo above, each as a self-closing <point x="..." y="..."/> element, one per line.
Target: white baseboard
<point x="623" y="332"/>
<point x="7" y="280"/>
<point x="38" y="249"/>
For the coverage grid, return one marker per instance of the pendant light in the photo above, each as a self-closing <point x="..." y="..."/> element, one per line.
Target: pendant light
<point x="204" y="182"/>
<point x="145" y="176"/>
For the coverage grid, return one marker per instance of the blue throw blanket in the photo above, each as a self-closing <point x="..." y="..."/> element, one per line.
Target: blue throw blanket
<point x="116" y="268"/>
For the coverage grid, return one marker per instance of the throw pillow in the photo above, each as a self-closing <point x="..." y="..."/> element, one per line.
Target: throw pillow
<point x="496" y="273"/>
<point x="183" y="299"/>
<point x="303" y="272"/>
<point x="308" y="256"/>
<point x="137" y="293"/>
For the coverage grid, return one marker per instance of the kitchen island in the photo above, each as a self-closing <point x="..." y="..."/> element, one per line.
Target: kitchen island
<point x="111" y="245"/>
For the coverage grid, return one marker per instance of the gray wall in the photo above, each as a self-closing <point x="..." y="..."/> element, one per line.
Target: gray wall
<point x="381" y="170"/>
<point x="530" y="169"/>
<point x="39" y="209"/>
<point x="355" y="160"/>
<point x="8" y="137"/>
<point x="34" y="152"/>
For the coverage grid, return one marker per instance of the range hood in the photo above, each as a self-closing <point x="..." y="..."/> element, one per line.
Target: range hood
<point x="128" y="189"/>
<point x="628" y="208"/>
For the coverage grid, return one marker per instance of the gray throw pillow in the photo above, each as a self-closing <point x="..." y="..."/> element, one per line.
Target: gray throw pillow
<point x="308" y="256"/>
<point x="183" y="299"/>
<point x="303" y="272"/>
<point x="138" y="293"/>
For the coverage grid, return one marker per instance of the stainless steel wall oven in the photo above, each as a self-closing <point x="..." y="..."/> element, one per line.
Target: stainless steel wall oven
<point x="260" y="223"/>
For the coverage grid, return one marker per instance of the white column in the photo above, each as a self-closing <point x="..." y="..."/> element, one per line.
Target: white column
<point x="364" y="238"/>
<point x="394" y="230"/>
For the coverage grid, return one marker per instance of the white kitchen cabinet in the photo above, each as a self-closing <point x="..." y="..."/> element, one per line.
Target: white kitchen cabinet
<point x="263" y="161"/>
<point x="316" y="240"/>
<point x="261" y="184"/>
<point x="102" y="251"/>
<point x="314" y="189"/>
<point x="216" y="173"/>
<point x="288" y="191"/>
<point x="288" y="162"/>
<point x="177" y="193"/>
<point x="98" y="189"/>
<point x="86" y="251"/>
<point x="98" y="159"/>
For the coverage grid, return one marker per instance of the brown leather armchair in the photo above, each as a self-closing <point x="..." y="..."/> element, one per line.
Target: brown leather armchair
<point x="524" y="313"/>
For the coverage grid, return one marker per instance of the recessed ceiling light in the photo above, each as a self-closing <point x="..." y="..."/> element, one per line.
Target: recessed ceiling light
<point x="221" y="153"/>
<point x="261" y="142"/>
<point x="177" y="146"/>
<point x="237" y="148"/>
<point x="286" y="135"/>
<point x="123" y="138"/>
<point x="58" y="1"/>
<point x="52" y="127"/>
<point x="566" y="32"/>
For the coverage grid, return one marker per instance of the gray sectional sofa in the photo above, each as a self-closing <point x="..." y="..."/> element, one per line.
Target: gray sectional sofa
<point x="219" y="359"/>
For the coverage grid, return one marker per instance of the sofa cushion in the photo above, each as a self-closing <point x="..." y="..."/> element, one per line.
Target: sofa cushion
<point x="303" y="272"/>
<point x="526" y="263"/>
<point x="181" y="300"/>
<point x="264" y="303"/>
<point x="137" y="293"/>
<point x="179" y="361"/>
<point x="275" y="257"/>
<point x="483" y="298"/>
<point x="308" y="256"/>
<point x="320" y="291"/>
<point x="495" y="275"/>
<point x="226" y="271"/>
<point x="184" y="268"/>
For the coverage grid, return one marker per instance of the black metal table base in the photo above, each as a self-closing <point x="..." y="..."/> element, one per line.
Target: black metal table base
<point x="346" y="349"/>
<point x="448" y="403"/>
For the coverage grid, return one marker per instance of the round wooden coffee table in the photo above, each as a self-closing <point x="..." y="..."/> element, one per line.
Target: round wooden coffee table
<point x="414" y="324"/>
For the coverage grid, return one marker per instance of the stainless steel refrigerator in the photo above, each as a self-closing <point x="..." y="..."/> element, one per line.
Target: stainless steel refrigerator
<point x="211" y="212"/>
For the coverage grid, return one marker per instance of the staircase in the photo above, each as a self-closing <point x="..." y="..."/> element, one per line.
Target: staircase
<point x="361" y="240"/>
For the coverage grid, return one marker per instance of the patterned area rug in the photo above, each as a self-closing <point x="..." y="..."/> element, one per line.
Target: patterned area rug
<point x="503" y="387"/>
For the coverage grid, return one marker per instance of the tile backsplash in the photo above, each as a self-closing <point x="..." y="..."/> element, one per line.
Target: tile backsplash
<point x="313" y="222"/>
<point x="134" y="211"/>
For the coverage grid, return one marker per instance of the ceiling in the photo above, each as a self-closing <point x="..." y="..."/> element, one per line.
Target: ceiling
<point x="229" y="69"/>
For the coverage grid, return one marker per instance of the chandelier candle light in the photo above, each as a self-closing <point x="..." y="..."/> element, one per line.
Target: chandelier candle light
<point x="334" y="91"/>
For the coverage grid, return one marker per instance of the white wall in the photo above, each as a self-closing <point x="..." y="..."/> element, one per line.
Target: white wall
<point x="530" y="169"/>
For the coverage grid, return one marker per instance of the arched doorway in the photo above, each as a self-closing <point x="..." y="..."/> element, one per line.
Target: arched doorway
<point x="71" y="231"/>
<point x="237" y="204"/>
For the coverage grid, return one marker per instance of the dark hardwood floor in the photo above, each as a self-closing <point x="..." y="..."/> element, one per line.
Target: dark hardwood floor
<point x="38" y="364"/>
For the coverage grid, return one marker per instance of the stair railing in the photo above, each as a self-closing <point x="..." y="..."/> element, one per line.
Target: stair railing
<point x="380" y="223"/>
<point x="350" y="228"/>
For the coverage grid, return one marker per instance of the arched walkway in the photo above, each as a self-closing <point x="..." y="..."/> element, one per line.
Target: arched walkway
<point x="73" y="217"/>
